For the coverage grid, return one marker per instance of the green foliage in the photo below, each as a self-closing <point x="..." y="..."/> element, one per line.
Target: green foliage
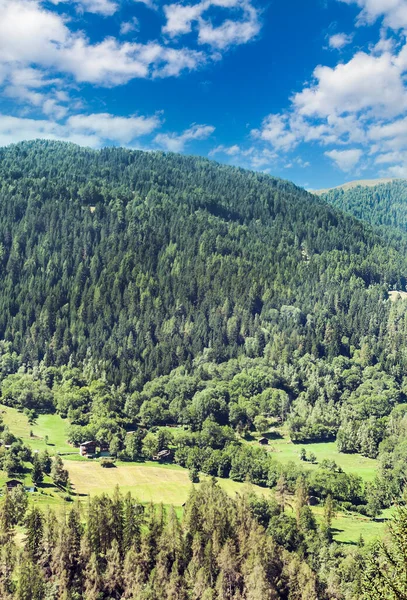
<point x="383" y="204"/>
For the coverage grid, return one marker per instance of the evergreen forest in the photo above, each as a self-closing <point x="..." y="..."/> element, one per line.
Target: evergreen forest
<point x="145" y="293"/>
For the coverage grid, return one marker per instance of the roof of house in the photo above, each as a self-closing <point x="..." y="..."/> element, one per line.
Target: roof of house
<point x="164" y="452"/>
<point x="88" y="444"/>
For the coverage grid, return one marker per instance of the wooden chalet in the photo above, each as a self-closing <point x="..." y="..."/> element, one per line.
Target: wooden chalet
<point x="87" y="448"/>
<point x="104" y="448"/>
<point x="13" y="483"/>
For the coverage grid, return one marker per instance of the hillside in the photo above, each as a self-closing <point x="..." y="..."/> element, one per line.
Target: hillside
<point x="383" y="203"/>
<point x="137" y="261"/>
<point x="357" y="183"/>
<point x="155" y="303"/>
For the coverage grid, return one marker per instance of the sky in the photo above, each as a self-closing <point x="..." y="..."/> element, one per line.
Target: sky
<point x="314" y="91"/>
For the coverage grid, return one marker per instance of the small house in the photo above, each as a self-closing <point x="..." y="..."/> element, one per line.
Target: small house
<point x="13" y="483"/>
<point x="104" y="449"/>
<point x="163" y="455"/>
<point x="87" y="448"/>
<point x="263" y="441"/>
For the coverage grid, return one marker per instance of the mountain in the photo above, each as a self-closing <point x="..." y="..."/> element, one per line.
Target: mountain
<point x="159" y="302"/>
<point x="378" y="202"/>
<point x="137" y="262"/>
<point x="358" y="183"/>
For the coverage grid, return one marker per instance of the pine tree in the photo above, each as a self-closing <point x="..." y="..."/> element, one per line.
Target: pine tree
<point x="34" y="527"/>
<point x="385" y="577"/>
<point x="37" y="475"/>
<point x="30" y="582"/>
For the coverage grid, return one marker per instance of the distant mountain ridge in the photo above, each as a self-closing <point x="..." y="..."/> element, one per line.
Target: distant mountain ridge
<point x="358" y="183"/>
<point x="378" y="202"/>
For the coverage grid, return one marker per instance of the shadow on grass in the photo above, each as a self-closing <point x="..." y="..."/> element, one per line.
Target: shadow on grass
<point x="273" y="435"/>
<point x="313" y="442"/>
<point x="45" y="486"/>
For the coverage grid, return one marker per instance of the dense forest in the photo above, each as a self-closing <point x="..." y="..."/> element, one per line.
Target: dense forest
<point x="384" y="204"/>
<point x="139" y="262"/>
<point x="143" y="289"/>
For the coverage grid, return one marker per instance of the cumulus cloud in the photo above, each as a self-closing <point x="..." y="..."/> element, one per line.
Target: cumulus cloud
<point x="394" y="12"/>
<point x="92" y="130"/>
<point x="108" y="127"/>
<point x="129" y="26"/>
<point x="102" y="7"/>
<point x="277" y="130"/>
<point x="366" y="82"/>
<point x="339" y="40"/>
<point x="229" y="150"/>
<point x="358" y="106"/>
<point x="346" y="160"/>
<point x="181" y="18"/>
<point x="176" y="142"/>
<point x="31" y="34"/>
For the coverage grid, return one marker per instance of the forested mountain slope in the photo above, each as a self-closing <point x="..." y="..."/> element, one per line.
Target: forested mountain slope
<point x="381" y="204"/>
<point x="137" y="262"/>
<point x="357" y="183"/>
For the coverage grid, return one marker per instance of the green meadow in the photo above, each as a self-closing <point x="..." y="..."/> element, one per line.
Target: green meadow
<point x="284" y="450"/>
<point x="170" y="484"/>
<point x="51" y="425"/>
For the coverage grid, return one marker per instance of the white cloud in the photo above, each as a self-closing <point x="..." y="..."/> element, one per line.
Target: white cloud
<point x="109" y="127"/>
<point x="148" y="3"/>
<point x="356" y="107"/>
<point x="229" y="150"/>
<point x="180" y="17"/>
<point x="231" y="32"/>
<point x="129" y="26"/>
<point x="394" y="12"/>
<point x="354" y="86"/>
<point x="176" y="142"/>
<point x="339" y="40"/>
<point x="93" y="130"/>
<point x="32" y="35"/>
<point x="102" y="7"/>
<point x="346" y="160"/>
<point x="276" y="129"/>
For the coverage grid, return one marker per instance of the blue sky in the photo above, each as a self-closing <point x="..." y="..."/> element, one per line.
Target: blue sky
<point x="310" y="90"/>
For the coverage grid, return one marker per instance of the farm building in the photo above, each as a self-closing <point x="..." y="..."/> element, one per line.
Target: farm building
<point x="87" y="448"/>
<point x="13" y="483"/>
<point x="163" y="454"/>
<point x="263" y="441"/>
<point x="104" y="448"/>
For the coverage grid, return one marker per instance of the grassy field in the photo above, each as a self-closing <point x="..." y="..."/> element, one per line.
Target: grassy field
<point x="170" y="484"/>
<point x="284" y="450"/>
<point x="148" y="482"/>
<point x="52" y="426"/>
<point x="348" y="527"/>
